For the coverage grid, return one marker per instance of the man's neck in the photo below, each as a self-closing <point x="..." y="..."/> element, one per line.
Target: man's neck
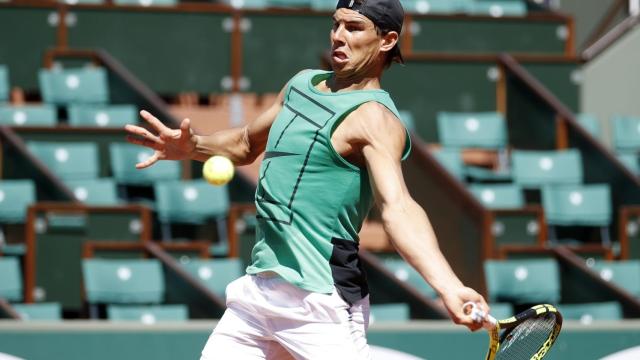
<point x="339" y="83"/>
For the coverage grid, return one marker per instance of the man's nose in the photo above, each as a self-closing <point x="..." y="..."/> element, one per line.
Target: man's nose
<point x="337" y="34"/>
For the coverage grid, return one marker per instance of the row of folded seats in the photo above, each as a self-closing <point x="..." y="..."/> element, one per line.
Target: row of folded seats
<point x="495" y="8"/>
<point x="515" y="284"/>
<point x="122" y="289"/>
<point x="81" y="95"/>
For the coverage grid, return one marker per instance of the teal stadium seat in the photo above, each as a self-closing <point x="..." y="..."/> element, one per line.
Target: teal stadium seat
<point x="83" y="2"/>
<point x="129" y="281"/>
<point x="436" y="6"/>
<point x="499" y="196"/>
<point x="523" y="281"/>
<point x="4" y="84"/>
<point x="404" y="272"/>
<point x="216" y="274"/>
<point x="289" y="3"/>
<point x="451" y="160"/>
<point x="148" y="314"/>
<point x="10" y="279"/>
<point x="406" y="117"/>
<point x="98" y="192"/>
<point x="74" y="86"/>
<point x="15" y="197"/>
<point x="29" y="115"/>
<point x="39" y="312"/>
<point x="388" y="313"/>
<point x="323" y="5"/>
<point x="472" y="130"/>
<point x="501" y="310"/>
<point x="146" y="2"/>
<point x="625" y="274"/>
<point x="499" y="8"/>
<point x="590" y="123"/>
<point x="254" y="4"/>
<point x="630" y="160"/>
<point x="102" y="115"/>
<point x="68" y="160"/>
<point x="582" y="205"/>
<point x="587" y="313"/>
<point x="533" y="169"/>
<point x="626" y="133"/>
<point x="124" y="158"/>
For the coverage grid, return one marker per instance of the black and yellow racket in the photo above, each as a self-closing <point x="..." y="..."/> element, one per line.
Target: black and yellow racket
<point x="526" y="336"/>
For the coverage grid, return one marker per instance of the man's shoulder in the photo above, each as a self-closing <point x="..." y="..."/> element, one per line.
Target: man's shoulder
<point x="377" y="112"/>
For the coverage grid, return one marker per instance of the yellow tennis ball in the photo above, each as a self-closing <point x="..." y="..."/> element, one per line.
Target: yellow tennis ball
<point x="218" y="170"/>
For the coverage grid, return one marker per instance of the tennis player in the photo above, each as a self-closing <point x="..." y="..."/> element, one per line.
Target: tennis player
<point x="332" y="145"/>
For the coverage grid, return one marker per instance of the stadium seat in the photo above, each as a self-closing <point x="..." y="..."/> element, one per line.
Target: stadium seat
<point x="289" y="3"/>
<point x="406" y="117"/>
<point x="74" y="86"/>
<point x="146" y="2"/>
<point x="76" y="2"/>
<point x="499" y="8"/>
<point x="451" y="159"/>
<point x="102" y="115"/>
<point x="94" y="191"/>
<point x="501" y="310"/>
<point x="499" y="196"/>
<point x="626" y="133"/>
<point x="216" y="274"/>
<point x="29" y="115"/>
<point x="124" y="158"/>
<point x="436" y="6"/>
<point x="10" y="279"/>
<point x="69" y="161"/>
<point x="15" y="198"/>
<point x="472" y="130"/>
<point x="630" y="160"/>
<point x="588" y="312"/>
<point x="257" y="4"/>
<point x="578" y="205"/>
<point x="388" y="312"/>
<point x="590" y="123"/>
<point x="193" y="202"/>
<point x="148" y="314"/>
<point x="523" y="281"/>
<point x="533" y="169"/>
<point x="39" y="312"/>
<point x="4" y="84"/>
<point x="625" y="274"/>
<point x="123" y="281"/>
<point x="404" y="272"/>
<point x="323" y="5"/>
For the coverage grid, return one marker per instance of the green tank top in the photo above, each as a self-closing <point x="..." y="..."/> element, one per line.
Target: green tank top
<point x="310" y="201"/>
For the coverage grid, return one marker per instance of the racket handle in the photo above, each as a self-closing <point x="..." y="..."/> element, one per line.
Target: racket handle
<point x="478" y="315"/>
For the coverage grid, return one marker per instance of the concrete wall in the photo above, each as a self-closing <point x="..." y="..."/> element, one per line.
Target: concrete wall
<point x="611" y="82"/>
<point x="587" y="15"/>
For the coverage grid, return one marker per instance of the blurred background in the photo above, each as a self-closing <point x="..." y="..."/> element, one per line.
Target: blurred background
<point x="525" y="119"/>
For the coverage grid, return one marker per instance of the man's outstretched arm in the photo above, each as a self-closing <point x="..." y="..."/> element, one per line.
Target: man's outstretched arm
<point x="404" y="220"/>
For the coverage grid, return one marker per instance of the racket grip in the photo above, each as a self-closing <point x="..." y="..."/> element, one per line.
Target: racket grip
<point x="478" y="315"/>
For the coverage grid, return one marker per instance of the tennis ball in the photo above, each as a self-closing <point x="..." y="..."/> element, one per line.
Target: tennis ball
<point x="218" y="170"/>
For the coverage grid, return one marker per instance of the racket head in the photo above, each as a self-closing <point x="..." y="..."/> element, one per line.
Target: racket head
<point x="527" y="336"/>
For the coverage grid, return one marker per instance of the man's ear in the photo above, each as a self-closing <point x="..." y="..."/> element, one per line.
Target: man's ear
<point x="388" y="41"/>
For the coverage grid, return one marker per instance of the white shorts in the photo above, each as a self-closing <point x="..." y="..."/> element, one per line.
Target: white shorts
<point x="268" y="318"/>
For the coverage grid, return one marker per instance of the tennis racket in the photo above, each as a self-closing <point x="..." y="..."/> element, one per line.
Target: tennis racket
<point x="526" y="336"/>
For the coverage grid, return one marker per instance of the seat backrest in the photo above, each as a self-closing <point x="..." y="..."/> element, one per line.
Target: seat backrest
<point x="39" y="312"/>
<point x="262" y="4"/>
<point x="501" y="310"/>
<point x="148" y="314"/>
<point x="499" y="8"/>
<point x="586" y="313"/>
<point x="451" y="159"/>
<point x="436" y="6"/>
<point x="630" y="160"/>
<point x="123" y="281"/>
<point x="147" y="2"/>
<point x="74" y="86"/>
<point x="584" y="205"/>
<point x="388" y="312"/>
<point x="533" y="169"/>
<point x="625" y="274"/>
<point x="102" y="115"/>
<point x="626" y="133"/>
<point x="472" y="130"/>
<point x="499" y="196"/>
<point x="190" y="201"/>
<point x="28" y="115"/>
<point x="4" y="84"/>
<point x="216" y="274"/>
<point x="406" y="117"/>
<point x="68" y="160"/>
<point x="15" y="197"/>
<point x="95" y="191"/>
<point x="590" y="123"/>
<point x="10" y="279"/>
<point x="523" y="281"/>
<point x="124" y="158"/>
<point x="404" y="272"/>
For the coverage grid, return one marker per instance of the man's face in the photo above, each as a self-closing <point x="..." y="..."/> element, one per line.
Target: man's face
<point x="355" y="43"/>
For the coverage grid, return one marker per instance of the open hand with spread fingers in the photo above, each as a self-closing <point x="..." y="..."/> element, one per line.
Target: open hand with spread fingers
<point x="168" y="144"/>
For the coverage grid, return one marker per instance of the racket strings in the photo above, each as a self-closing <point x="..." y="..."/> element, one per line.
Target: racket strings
<point x="524" y="341"/>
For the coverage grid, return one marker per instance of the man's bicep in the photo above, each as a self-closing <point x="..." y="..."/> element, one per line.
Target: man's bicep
<point x="385" y="175"/>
